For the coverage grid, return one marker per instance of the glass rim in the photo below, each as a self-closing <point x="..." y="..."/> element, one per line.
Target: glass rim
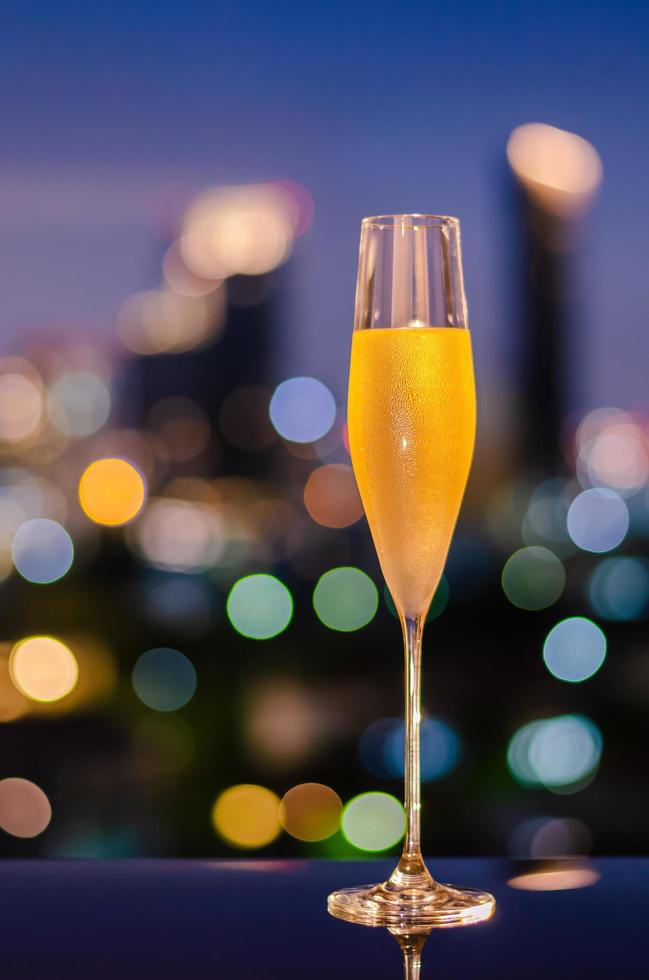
<point x="383" y="222"/>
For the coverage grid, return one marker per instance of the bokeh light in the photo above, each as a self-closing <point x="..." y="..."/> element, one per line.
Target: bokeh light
<point x="20" y="499"/>
<point x="533" y="578"/>
<point x="372" y="747"/>
<point x="179" y="535"/>
<point x="618" y="459"/>
<point x="23" y="496"/>
<point x="560" y="837"/>
<point x="259" y="606"/>
<point x="179" y="602"/>
<point x="164" y="679"/>
<point x="561" y="753"/>
<point x="373" y="821"/>
<point x="244" y="230"/>
<point x="181" y="279"/>
<point x="42" y="550"/>
<point x="323" y="449"/>
<point x="331" y="496"/>
<point x="618" y="588"/>
<point x="559" y="879"/>
<point x="345" y="599"/>
<point x="97" y="678"/>
<point x="283" y="723"/>
<point x="597" y="421"/>
<point x="560" y="169"/>
<point x="550" y="837"/>
<point x="300" y="202"/>
<point x="247" y="816"/>
<point x="574" y="649"/>
<point x="612" y="451"/>
<point x="440" y="749"/>
<point x="302" y="409"/>
<point x="13" y="703"/>
<point x="518" y="750"/>
<point x="25" y="810"/>
<point x="381" y="748"/>
<point x="79" y="403"/>
<point x="43" y="668"/>
<point x="111" y="491"/>
<point x="598" y="520"/>
<point x="311" y="811"/>
<point x="545" y="520"/>
<point x="216" y="515"/>
<point x="21" y="406"/>
<point x="161" y="321"/>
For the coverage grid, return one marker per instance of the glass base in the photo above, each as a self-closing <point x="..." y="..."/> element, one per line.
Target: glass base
<point x="436" y="906"/>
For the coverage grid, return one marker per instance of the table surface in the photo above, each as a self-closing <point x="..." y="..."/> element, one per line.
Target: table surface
<point x="235" y="920"/>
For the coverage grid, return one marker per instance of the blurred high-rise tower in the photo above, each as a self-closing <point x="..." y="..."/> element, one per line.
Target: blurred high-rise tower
<point x="557" y="174"/>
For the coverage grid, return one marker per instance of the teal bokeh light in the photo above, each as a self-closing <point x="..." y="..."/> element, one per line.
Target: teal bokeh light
<point x="259" y="606"/>
<point x="164" y="679"/>
<point x="618" y="588"/>
<point x="560" y="753"/>
<point x="533" y="578"/>
<point x="345" y="599"/>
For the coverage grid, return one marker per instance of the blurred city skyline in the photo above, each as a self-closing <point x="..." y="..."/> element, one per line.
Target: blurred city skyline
<point x="115" y="117"/>
<point x="195" y="621"/>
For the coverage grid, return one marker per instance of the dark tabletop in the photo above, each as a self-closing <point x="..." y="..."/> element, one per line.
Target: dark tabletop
<point x="265" y="920"/>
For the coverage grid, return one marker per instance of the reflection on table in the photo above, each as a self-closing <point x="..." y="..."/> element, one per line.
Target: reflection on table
<point x="267" y="919"/>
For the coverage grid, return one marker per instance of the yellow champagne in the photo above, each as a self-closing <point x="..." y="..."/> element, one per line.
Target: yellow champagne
<point x="411" y="431"/>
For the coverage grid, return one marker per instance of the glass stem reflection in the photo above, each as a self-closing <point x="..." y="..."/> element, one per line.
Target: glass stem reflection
<point x="411" y="868"/>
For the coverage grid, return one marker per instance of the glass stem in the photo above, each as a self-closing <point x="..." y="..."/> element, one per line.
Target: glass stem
<point x="411" y="869"/>
<point x="411" y="947"/>
<point x="411" y="965"/>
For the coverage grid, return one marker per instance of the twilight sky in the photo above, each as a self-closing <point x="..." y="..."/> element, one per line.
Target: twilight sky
<point x="113" y="113"/>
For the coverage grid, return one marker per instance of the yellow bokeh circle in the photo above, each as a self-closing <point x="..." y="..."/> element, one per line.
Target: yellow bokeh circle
<point x="111" y="491"/>
<point x="247" y="816"/>
<point x="43" y="668"/>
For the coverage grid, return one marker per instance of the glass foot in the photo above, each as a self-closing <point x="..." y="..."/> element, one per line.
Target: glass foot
<point x="437" y="906"/>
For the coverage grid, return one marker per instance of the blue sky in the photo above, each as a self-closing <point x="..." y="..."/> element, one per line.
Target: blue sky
<point x="113" y="112"/>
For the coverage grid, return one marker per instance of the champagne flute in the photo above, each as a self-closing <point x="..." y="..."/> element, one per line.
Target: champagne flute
<point x="411" y="432"/>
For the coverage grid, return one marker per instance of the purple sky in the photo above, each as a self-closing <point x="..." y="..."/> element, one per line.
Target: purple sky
<point x="112" y="114"/>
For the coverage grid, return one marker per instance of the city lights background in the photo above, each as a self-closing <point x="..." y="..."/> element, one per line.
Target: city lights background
<point x="197" y="652"/>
